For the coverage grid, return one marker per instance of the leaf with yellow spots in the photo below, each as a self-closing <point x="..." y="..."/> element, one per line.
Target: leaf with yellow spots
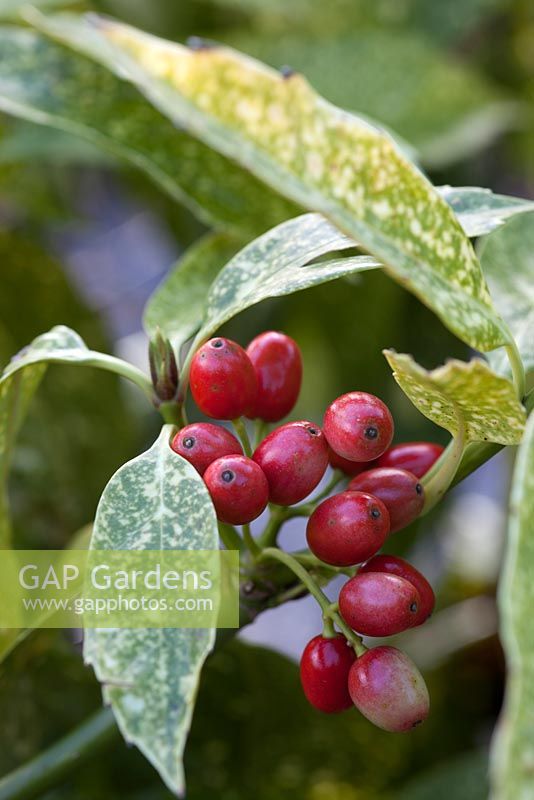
<point x="321" y="157"/>
<point x="462" y="395"/>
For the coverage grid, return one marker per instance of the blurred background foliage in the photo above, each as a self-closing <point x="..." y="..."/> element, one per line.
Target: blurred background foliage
<point x="84" y="239"/>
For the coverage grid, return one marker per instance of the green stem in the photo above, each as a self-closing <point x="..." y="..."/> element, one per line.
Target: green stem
<point x="230" y="537"/>
<point x="518" y="370"/>
<point x="279" y="514"/>
<point x="328" y="609"/>
<point x="337" y="477"/>
<point x="173" y="414"/>
<point x="440" y="477"/>
<point x="252" y="545"/>
<point x="36" y="777"/>
<point x="260" y="430"/>
<point x="242" y="433"/>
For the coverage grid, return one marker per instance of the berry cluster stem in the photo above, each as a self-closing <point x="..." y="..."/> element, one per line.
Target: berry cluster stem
<point x="242" y="433"/>
<point x="329" y="609"/>
<point x="439" y="478"/>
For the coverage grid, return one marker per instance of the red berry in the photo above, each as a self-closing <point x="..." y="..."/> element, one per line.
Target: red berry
<point x="394" y="565"/>
<point x="388" y="689"/>
<point x="378" y="604"/>
<point x="294" y="458"/>
<point x="324" y="672"/>
<point x="223" y="381"/>
<point x="202" y="443"/>
<point x="350" y="468"/>
<point x="347" y="528"/>
<point x="238" y="488"/>
<point x="358" y="426"/>
<point x="415" y="457"/>
<point x="278" y="364"/>
<point x="399" y="490"/>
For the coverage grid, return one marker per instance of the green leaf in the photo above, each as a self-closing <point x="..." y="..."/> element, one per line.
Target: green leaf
<point x="462" y="395"/>
<point x="320" y="157"/>
<point x="157" y="501"/>
<point x="479" y="211"/>
<point x="62" y="345"/>
<point x="177" y="305"/>
<point x="278" y="263"/>
<point x="15" y="396"/>
<point x="42" y="82"/>
<point x="512" y="744"/>
<point x="507" y="257"/>
<point x="20" y="380"/>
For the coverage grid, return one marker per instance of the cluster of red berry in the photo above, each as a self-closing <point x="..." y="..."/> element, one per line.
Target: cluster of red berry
<point x="386" y="595"/>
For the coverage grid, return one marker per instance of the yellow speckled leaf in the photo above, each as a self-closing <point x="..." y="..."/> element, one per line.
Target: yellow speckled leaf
<point x="314" y="153"/>
<point x="462" y="395"/>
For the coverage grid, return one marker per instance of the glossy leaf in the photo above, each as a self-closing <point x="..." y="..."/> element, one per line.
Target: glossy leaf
<point x="320" y="157"/>
<point x="62" y="345"/>
<point x="177" y="305"/>
<point x="443" y="107"/>
<point x="512" y="745"/>
<point x="278" y="263"/>
<point x="157" y="501"/>
<point x="462" y="395"/>
<point x="480" y="211"/>
<point x="507" y="257"/>
<point x="42" y="82"/>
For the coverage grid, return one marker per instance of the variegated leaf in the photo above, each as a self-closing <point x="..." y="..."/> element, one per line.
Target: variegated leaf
<point x="42" y="82"/>
<point x="461" y="395"/>
<point x="480" y="211"/>
<point x="317" y="155"/>
<point x="513" y="744"/>
<point x="507" y="257"/>
<point x="278" y="263"/>
<point x="157" y="501"/>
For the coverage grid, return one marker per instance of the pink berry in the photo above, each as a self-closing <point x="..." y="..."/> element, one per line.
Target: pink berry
<point x="223" y="382"/>
<point x="202" y="443"/>
<point x="278" y="364"/>
<point x="388" y="689"/>
<point x="399" y="490"/>
<point x="358" y="426"/>
<point x="347" y="528"/>
<point x="378" y="604"/>
<point x="294" y="458"/>
<point x="394" y="565"/>
<point x="415" y="457"/>
<point x="238" y="488"/>
<point x="324" y="672"/>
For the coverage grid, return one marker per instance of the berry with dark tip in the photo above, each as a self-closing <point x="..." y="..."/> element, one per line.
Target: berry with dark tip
<point x="223" y="381"/>
<point x="378" y="604"/>
<point x="399" y="490"/>
<point x="278" y="364"/>
<point x="324" y="672"/>
<point x="358" y="426"/>
<point x="294" y="457"/>
<point x="347" y="528"/>
<point x="415" y="457"/>
<point x="201" y="443"/>
<point x="394" y="565"/>
<point x="388" y="689"/>
<point x="238" y="489"/>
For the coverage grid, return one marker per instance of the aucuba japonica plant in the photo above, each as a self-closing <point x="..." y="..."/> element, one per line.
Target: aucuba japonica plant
<point x="338" y="197"/>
